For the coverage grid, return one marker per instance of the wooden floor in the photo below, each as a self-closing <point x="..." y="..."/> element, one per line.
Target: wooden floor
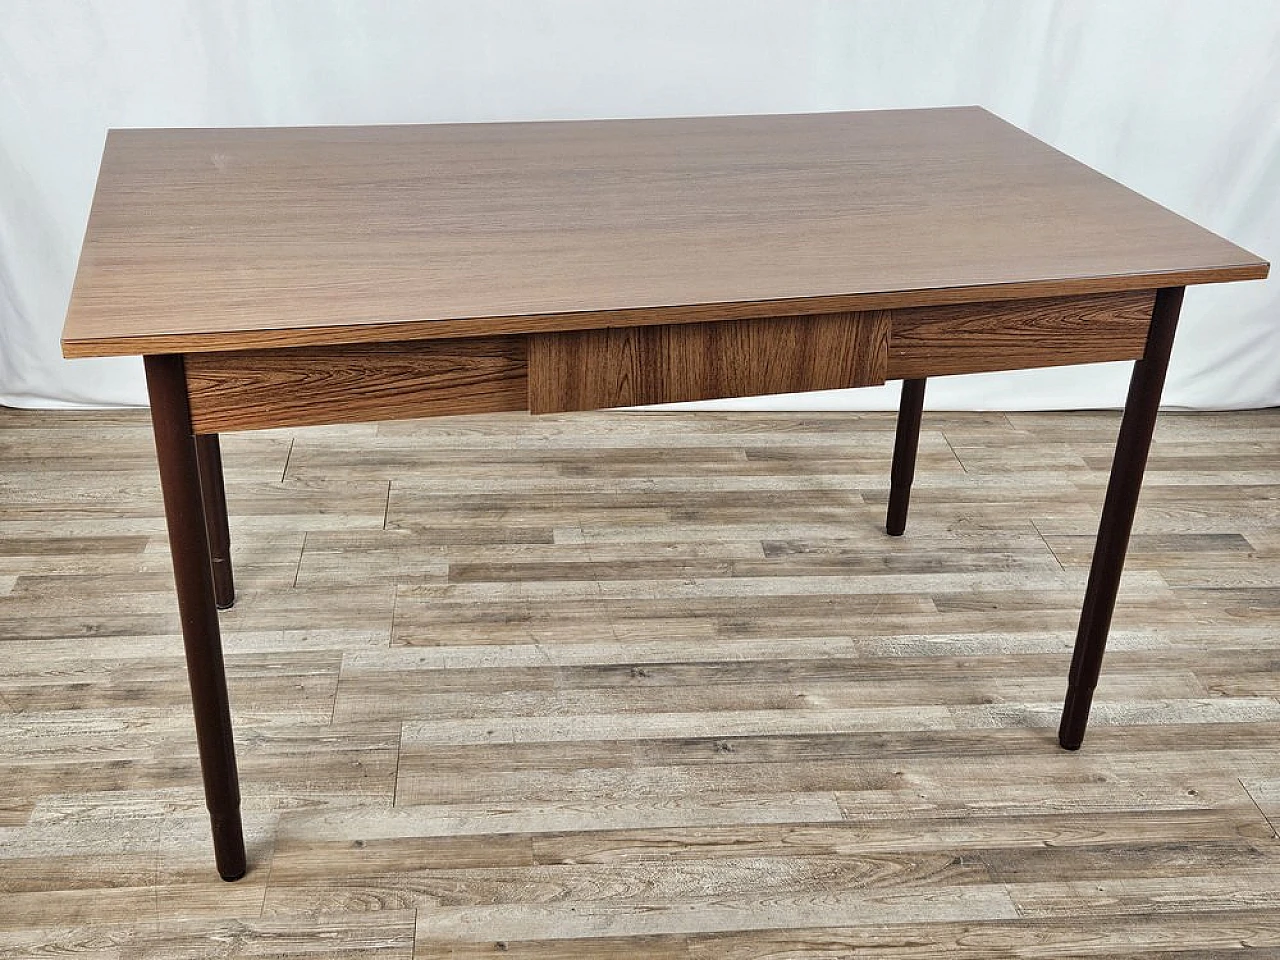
<point x="647" y="686"/>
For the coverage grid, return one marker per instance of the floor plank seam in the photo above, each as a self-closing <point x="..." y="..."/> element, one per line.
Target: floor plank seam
<point x="1261" y="812"/>
<point x="284" y="474"/>
<point x="302" y="556"/>
<point x="1048" y="546"/>
<point x="951" y="447"/>
<point x="395" y="777"/>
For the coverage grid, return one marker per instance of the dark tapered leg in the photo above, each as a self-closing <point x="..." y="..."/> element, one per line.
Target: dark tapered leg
<point x="184" y="511"/>
<point x="904" y="455"/>
<point x="1130" y="461"/>
<point x="214" y="496"/>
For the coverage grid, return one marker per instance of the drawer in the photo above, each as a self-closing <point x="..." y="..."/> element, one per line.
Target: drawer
<point x="630" y="366"/>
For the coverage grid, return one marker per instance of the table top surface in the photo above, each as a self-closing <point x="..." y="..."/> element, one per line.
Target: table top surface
<point x="220" y="239"/>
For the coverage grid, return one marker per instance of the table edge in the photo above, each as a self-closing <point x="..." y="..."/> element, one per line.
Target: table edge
<point x="460" y="328"/>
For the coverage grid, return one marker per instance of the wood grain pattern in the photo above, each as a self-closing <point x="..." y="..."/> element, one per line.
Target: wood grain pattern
<point x="646" y="685"/>
<point x="631" y="366"/>
<point x="976" y="338"/>
<point x="305" y="386"/>
<point x="230" y="239"/>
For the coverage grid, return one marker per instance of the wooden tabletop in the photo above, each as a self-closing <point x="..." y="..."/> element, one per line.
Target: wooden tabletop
<point x="226" y="238"/>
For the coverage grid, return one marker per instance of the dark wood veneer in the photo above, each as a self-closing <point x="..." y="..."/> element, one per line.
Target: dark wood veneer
<point x="630" y="366"/>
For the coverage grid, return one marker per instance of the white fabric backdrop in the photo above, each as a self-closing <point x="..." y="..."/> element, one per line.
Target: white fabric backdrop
<point x="1179" y="99"/>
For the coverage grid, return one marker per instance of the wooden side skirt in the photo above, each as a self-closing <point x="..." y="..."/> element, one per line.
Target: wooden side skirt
<point x="303" y="386"/>
<point x="1018" y="334"/>
<point x="626" y="366"/>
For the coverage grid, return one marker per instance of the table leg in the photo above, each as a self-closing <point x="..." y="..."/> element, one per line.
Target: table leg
<point x="188" y="543"/>
<point x="214" y="496"/>
<point x="904" y="455"/>
<point x="1130" y="461"/>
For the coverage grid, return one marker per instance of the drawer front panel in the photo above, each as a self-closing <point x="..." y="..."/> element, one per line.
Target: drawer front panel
<point x="629" y="366"/>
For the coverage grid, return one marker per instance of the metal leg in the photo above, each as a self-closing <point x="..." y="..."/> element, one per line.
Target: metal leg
<point x="214" y="496"/>
<point x="904" y="455"/>
<point x="188" y="543"/>
<point x="1130" y="461"/>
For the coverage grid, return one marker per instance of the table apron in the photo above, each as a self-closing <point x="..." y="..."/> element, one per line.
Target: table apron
<point x="1019" y="334"/>
<point x="624" y="366"/>
<point x="355" y="383"/>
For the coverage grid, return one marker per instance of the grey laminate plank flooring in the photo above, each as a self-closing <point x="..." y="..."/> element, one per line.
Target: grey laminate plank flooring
<point x="647" y="685"/>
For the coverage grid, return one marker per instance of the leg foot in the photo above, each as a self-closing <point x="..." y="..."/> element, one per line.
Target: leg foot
<point x="1075" y="716"/>
<point x="228" y="849"/>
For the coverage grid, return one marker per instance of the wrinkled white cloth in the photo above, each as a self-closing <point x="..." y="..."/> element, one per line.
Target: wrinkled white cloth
<point x="1178" y="99"/>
